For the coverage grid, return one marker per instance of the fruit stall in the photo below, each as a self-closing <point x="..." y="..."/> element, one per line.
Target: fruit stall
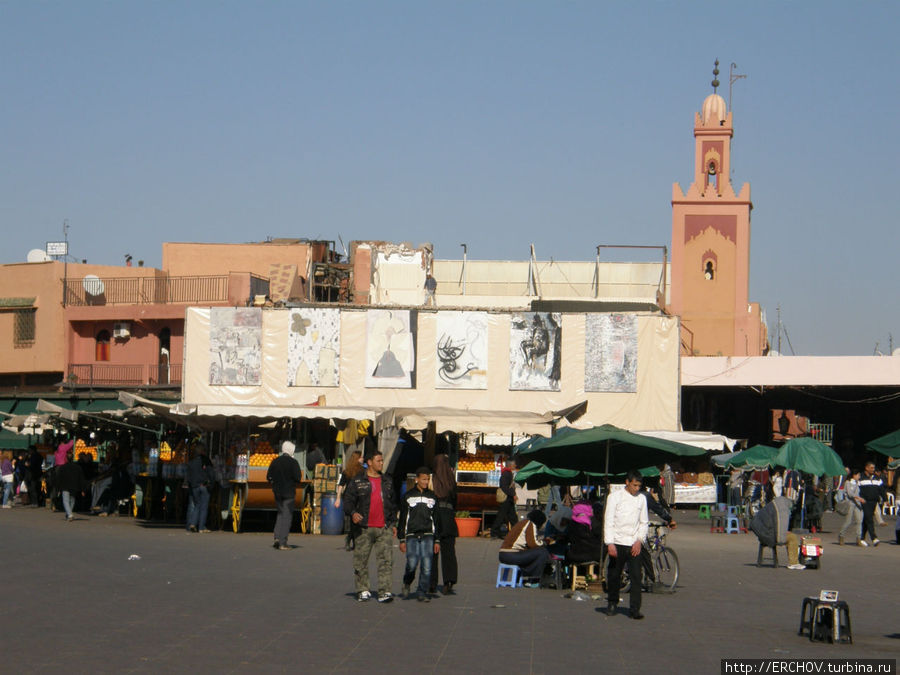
<point x="477" y="478"/>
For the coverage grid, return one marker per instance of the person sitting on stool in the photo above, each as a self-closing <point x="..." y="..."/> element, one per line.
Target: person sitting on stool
<point x="770" y="526"/>
<point x="523" y="547"/>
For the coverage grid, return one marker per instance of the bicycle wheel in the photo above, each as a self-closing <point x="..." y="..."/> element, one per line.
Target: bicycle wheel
<point x="666" y="566"/>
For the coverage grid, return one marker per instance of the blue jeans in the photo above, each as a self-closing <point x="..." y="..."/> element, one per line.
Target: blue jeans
<point x="68" y="500"/>
<point x="7" y="492"/>
<point x="198" y="507"/>
<point x="419" y="550"/>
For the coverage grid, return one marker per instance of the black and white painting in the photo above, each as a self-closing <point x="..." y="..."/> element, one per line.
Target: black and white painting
<point x="610" y="353"/>
<point x="462" y="350"/>
<point x="314" y="347"/>
<point x="235" y="345"/>
<point x="390" y="349"/>
<point x="535" y="344"/>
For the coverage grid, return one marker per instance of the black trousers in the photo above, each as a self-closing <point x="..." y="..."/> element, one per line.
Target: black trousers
<point x="33" y="484"/>
<point x="447" y="561"/>
<point x="614" y="577"/>
<point x="869" y="520"/>
<point x="506" y="515"/>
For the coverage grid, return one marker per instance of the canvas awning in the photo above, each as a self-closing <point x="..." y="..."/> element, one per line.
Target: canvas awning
<point x="461" y="420"/>
<point x="699" y="439"/>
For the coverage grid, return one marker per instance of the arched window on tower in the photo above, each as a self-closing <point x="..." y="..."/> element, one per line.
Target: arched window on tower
<point x="101" y="346"/>
<point x="710" y="265"/>
<point x="712" y="175"/>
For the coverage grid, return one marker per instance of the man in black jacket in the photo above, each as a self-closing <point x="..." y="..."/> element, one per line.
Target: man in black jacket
<point x="506" y="514"/>
<point x="419" y="532"/>
<point x="871" y="490"/>
<point x="284" y="476"/>
<point x="369" y="501"/>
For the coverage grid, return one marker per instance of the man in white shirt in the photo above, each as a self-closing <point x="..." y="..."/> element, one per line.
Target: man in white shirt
<point x="624" y="530"/>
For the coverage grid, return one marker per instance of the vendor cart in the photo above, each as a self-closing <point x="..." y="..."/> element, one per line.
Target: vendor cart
<point x="255" y="494"/>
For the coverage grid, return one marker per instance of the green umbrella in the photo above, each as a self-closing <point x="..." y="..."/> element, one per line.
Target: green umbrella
<point x="756" y="457"/>
<point x="808" y="455"/>
<point x="535" y="475"/>
<point x="887" y="445"/>
<point x="605" y="449"/>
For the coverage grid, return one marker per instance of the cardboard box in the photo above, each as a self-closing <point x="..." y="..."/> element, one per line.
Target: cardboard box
<point x="332" y="473"/>
<point x="321" y="470"/>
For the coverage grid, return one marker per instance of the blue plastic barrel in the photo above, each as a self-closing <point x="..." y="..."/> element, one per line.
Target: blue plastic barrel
<point x="332" y="516"/>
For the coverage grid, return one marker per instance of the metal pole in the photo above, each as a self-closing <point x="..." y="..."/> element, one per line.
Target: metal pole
<point x="65" y="259"/>
<point x="462" y="273"/>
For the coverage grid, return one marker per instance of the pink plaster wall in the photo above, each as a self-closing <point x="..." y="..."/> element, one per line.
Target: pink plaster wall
<point x="195" y="259"/>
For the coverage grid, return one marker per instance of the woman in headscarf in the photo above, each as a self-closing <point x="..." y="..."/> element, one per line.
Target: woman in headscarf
<point x="585" y="535"/>
<point x="444" y="487"/>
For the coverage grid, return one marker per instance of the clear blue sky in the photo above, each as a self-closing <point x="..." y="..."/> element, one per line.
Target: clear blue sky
<point x="497" y="124"/>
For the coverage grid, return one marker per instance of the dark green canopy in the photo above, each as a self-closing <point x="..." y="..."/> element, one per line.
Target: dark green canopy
<point x="808" y="455"/>
<point x="535" y="475"/>
<point x="756" y="457"/>
<point x="888" y="444"/>
<point x="606" y="449"/>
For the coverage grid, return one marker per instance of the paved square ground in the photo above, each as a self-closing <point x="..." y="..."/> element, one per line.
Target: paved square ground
<point x="231" y="603"/>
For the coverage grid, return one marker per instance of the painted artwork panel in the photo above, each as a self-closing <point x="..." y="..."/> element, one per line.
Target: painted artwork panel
<point x="390" y="349"/>
<point x="314" y="348"/>
<point x="235" y="346"/>
<point x="535" y="351"/>
<point x="610" y="353"/>
<point x="462" y="350"/>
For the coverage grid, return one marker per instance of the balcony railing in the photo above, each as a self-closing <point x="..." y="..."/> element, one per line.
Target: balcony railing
<point x="123" y="375"/>
<point x="145" y="290"/>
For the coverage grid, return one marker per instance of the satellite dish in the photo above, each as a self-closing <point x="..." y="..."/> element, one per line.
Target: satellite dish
<point x="92" y="285"/>
<point x="772" y="352"/>
<point x="37" y="255"/>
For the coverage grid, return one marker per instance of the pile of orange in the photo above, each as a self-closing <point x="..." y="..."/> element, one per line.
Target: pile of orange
<point x="165" y="452"/>
<point x="261" y="459"/>
<point x="482" y="460"/>
<point x="82" y="448"/>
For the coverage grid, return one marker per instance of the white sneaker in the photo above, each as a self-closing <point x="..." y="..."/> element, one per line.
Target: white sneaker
<point x="875" y="542"/>
<point x="863" y="543"/>
<point x="363" y="596"/>
<point x="797" y="567"/>
<point x="385" y="597"/>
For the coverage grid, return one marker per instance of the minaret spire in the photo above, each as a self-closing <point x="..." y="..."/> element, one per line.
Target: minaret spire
<point x="715" y="82"/>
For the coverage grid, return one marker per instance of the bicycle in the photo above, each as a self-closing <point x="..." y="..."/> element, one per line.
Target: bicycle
<point x="662" y="558"/>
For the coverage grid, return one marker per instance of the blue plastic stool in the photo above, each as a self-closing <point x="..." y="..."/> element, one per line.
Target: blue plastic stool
<point x="509" y="575"/>
<point x="703" y="512"/>
<point x="732" y="525"/>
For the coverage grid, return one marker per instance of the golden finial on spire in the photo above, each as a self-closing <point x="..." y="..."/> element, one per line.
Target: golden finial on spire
<point x="715" y="82"/>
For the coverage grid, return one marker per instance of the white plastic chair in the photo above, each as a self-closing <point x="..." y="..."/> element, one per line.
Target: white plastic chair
<point x="890" y="506"/>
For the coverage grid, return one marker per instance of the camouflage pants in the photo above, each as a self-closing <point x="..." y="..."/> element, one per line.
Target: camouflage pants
<point x="381" y="540"/>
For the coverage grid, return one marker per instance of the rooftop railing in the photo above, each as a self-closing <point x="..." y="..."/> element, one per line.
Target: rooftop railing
<point x="123" y="375"/>
<point x="145" y="290"/>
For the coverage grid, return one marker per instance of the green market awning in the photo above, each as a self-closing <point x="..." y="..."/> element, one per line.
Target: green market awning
<point x="810" y="456"/>
<point x="888" y="445"/>
<point x="605" y="448"/>
<point x="756" y="457"/>
<point x="13" y="441"/>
